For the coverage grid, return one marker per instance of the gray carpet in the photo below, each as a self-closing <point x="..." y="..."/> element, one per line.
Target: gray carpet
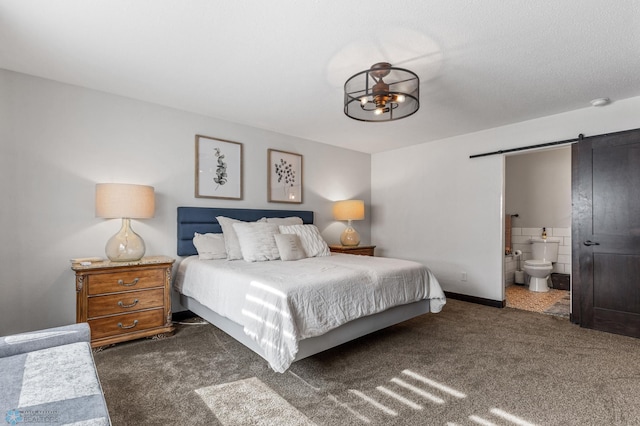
<point x="468" y="365"/>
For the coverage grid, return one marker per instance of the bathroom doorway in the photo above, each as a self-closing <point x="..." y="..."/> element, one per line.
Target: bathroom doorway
<point x="537" y="200"/>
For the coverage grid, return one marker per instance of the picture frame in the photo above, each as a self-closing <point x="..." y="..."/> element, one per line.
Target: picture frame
<point x="218" y="168"/>
<point x="284" y="170"/>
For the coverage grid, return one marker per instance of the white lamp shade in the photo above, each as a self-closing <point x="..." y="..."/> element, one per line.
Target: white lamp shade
<point x="120" y="200"/>
<point x="348" y="210"/>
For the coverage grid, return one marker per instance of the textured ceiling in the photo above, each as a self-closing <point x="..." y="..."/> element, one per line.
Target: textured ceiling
<point x="281" y="64"/>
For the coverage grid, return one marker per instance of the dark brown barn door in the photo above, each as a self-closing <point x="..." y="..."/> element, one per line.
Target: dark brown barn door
<point x="606" y="233"/>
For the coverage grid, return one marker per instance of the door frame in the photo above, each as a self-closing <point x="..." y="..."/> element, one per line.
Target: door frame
<point x="576" y="287"/>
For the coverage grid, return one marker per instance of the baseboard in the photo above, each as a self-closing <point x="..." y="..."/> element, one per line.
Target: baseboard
<point x="478" y="300"/>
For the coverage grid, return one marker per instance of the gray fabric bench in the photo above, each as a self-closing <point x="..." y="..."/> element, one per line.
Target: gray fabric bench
<point x="49" y="377"/>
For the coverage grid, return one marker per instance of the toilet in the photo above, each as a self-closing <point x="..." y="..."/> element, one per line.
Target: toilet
<point x="545" y="253"/>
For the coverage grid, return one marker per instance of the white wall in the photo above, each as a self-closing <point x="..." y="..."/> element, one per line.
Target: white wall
<point x="58" y="141"/>
<point x="538" y="188"/>
<point x="434" y="204"/>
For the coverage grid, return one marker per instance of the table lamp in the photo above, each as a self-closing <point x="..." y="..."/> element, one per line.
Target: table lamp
<point x="349" y="210"/>
<point x="125" y="201"/>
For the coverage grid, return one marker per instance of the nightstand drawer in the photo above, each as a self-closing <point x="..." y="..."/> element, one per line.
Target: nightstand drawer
<point x="360" y="251"/>
<point x="126" y="323"/>
<point x="113" y="282"/>
<point x="357" y="250"/>
<point x="125" y="302"/>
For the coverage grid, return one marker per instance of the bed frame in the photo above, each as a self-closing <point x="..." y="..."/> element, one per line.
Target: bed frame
<point x="203" y="220"/>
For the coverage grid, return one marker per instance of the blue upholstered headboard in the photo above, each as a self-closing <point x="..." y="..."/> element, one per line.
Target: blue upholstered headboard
<point x="203" y="220"/>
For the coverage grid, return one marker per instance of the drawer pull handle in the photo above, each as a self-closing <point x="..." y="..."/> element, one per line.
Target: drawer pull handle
<point x="122" y="305"/>
<point x="131" y="284"/>
<point x="124" y="327"/>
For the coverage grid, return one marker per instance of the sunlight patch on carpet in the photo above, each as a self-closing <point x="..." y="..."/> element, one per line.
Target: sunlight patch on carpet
<point x="510" y="417"/>
<point x="250" y="401"/>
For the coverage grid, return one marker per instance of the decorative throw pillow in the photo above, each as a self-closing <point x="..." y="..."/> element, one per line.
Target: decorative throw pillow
<point x="257" y="242"/>
<point x="210" y="246"/>
<point x="312" y="242"/>
<point x="292" y="220"/>
<point x="289" y="247"/>
<point x="230" y="238"/>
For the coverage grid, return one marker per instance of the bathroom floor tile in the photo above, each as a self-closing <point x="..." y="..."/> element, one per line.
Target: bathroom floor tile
<point x="554" y="302"/>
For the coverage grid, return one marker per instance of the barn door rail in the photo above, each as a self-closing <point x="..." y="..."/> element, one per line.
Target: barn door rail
<point x="524" y="148"/>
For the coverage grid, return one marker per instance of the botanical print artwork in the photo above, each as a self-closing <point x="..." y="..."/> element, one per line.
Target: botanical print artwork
<point x="285" y="177"/>
<point x="221" y="170"/>
<point x="218" y="168"/>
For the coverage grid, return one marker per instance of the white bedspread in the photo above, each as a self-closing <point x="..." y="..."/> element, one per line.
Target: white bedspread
<point x="278" y="303"/>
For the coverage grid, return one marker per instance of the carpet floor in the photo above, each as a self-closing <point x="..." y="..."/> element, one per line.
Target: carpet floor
<point x="468" y="365"/>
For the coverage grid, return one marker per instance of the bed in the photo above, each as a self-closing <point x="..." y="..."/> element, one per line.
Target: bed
<point x="261" y="304"/>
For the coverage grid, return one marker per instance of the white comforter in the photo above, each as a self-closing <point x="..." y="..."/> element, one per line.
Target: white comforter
<point x="278" y="303"/>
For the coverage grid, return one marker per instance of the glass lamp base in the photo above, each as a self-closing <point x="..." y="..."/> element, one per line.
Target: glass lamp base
<point x="350" y="237"/>
<point x="126" y="245"/>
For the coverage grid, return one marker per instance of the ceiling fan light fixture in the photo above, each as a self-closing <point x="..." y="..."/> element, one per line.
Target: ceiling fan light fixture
<point x="382" y="93"/>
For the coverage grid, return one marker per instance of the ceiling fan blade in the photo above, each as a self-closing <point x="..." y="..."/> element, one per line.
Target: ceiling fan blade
<point x="415" y="58"/>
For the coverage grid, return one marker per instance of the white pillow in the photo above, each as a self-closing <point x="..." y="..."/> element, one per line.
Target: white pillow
<point x="257" y="242"/>
<point x="312" y="242"/>
<point x="289" y="247"/>
<point x="210" y="246"/>
<point x="292" y="220"/>
<point x="230" y="238"/>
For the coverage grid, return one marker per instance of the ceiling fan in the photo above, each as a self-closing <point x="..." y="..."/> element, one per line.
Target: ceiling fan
<point x="382" y="93"/>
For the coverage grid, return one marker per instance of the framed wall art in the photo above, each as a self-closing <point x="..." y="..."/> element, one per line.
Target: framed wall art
<point x="218" y="168"/>
<point x="284" y="171"/>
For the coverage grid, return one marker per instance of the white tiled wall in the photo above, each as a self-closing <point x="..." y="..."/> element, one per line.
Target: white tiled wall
<point x="520" y="241"/>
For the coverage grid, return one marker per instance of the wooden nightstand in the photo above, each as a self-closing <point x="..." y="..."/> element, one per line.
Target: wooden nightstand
<point x="360" y="250"/>
<point x="124" y="300"/>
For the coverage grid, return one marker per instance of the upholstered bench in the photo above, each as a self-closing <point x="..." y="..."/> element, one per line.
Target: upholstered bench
<point x="49" y="377"/>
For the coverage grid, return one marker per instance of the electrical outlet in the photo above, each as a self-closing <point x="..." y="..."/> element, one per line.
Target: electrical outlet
<point x="463" y="276"/>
